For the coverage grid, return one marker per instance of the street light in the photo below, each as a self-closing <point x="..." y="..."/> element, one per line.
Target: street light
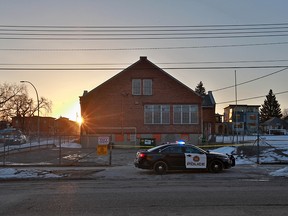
<point x="38" y="119"/>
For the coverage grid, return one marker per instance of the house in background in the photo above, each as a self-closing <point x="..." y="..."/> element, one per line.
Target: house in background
<point x="145" y="102"/>
<point x="275" y="126"/>
<point x="48" y="126"/>
<point x="241" y="119"/>
<point x="29" y="125"/>
<point x="66" y="127"/>
<point x="208" y="108"/>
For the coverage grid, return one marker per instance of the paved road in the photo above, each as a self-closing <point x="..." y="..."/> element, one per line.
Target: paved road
<point x="163" y="195"/>
<point x="125" y="190"/>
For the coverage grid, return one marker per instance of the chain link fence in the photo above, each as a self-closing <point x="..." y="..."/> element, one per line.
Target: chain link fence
<point x="60" y="151"/>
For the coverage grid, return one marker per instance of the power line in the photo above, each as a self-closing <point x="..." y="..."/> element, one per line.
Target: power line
<point x="164" y="68"/>
<point x="256" y="97"/>
<point x="143" y="26"/>
<point x="141" y="34"/>
<point x="159" y="63"/>
<point x="135" y="48"/>
<point x="140" y="29"/>
<point x="170" y="32"/>
<point x="143" y="38"/>
<point x="252" y="80"/>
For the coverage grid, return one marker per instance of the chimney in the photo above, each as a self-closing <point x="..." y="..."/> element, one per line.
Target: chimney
<point x="85" y="92"/>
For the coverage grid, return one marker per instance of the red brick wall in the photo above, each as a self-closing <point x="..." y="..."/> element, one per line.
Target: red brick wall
<point x="113" y="105"/>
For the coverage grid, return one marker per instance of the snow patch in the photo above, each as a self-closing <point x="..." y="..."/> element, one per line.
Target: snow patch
<point x="280" y="173"/>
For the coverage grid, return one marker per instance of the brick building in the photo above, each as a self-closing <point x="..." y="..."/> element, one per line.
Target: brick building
<point x="29" y="125"/>
<point x="48" y="126"/>
<point x="143" y="101"/>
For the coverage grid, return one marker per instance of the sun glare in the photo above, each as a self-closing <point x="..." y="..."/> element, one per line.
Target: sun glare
<point x="79" y="120"/>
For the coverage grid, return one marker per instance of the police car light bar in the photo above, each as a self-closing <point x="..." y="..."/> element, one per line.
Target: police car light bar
<point x="181" y="142"/>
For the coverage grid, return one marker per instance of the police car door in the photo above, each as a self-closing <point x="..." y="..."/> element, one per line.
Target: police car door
<point x="174" y="155"/>
<point x="195" y="158"/>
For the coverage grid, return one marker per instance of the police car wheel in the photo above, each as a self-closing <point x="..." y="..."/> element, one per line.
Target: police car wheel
<point x="216" y="166"/>
<point x="160" y="167"/>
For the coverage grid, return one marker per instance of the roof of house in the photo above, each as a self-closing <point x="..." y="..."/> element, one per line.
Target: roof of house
<point x="275" y="121"/>
<point x="208" y="100"/>
<point x="141" y="60"/>
<point x="241" y="105"/>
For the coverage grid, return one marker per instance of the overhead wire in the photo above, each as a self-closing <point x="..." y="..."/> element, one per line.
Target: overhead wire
<point x="251" y="98"/>
<point x="157" y="63"/>
<point x="143" y="26"/>
<point x="142" y="32"/>
<point x="143" y="38"/>
<point x="138" y="48"/>
<point x="257" y="32"/>
<point x="164" y="68"/>
<point x="252" y="80"/>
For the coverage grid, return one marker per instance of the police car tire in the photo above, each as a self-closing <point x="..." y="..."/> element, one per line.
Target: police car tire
<point x="216" y="166"/>
<point x="160" y="167"/>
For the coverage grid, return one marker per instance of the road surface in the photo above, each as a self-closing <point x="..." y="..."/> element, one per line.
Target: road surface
<point x="161" y="195"/>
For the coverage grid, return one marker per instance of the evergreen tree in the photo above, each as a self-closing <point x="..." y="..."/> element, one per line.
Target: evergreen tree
<point x="270" y="108"/>
<point x="200" y="89"/>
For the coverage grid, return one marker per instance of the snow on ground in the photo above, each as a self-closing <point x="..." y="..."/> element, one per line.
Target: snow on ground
<point x="22" y="173"/>
<point x="281" y="172"/>
<point x="266" y="157"/>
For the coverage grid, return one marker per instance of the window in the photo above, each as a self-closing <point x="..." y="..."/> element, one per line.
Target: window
<point x="173" y="149"/>
<point x="147" y="87"/>
<point x="190" y="149"/>
<point x="185" y="114"/>
<point x="252" y="117"/>
<point x="156" y="114"/>
<point x="137" y="85"/>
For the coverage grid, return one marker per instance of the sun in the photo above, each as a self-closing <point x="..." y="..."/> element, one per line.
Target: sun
<point x="79" y="120"/>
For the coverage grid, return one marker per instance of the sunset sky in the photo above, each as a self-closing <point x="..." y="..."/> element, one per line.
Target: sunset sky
<point x="30" y="32"/>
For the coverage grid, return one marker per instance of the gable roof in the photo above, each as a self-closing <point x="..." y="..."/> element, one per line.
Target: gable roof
<point x="143" y="59"/>
<point x="208" y="100"/>
<point x="274" y="121"/>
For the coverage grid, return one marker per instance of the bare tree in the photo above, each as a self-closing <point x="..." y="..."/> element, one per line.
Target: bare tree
<point x="15" y="101"/>
<point x="8" y="92"/>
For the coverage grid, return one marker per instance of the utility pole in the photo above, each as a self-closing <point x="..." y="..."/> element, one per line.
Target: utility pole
<point x="236" y="130"/>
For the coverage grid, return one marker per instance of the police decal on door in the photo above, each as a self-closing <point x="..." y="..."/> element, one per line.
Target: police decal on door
<point x="195" y="160"/>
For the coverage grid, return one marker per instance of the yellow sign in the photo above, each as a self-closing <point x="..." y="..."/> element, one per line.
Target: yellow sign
<point x="102" y="149"/>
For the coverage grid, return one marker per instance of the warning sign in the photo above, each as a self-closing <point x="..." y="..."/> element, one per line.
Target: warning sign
<point x="103" y="140"/>
<point x="195" y="160"/>
<point x="102" y="149"/>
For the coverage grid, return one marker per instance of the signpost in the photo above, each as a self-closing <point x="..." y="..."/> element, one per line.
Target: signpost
<point x="102" y="147"/>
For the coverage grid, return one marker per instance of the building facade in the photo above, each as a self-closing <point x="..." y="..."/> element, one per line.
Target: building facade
<point x="242" y="119"/>
<point x="143" y="102"/>
<point x="48" y="126"/>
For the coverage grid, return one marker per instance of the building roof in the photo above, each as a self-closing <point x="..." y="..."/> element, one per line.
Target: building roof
<point x="208" y="100"/>
<point x="143" y="59"/>
<point x="241" y="105"/>
<point x="274" y="121"/>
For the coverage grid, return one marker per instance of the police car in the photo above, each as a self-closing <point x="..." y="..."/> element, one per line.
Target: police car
<point x="179" y="156"/>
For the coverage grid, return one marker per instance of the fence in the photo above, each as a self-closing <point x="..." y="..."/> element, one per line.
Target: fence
<point x="62" y="151"/>
<point x="266" y="149"/>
